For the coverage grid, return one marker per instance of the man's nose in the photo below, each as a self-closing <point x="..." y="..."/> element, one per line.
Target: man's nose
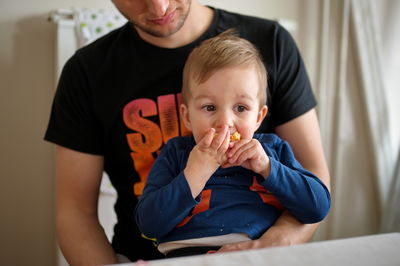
<point x="158" y="8"/>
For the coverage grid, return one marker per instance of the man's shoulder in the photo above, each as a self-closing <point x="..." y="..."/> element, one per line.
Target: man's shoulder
<point x="105" y="44"/>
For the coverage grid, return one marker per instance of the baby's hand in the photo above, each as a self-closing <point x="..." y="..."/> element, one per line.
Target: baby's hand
<point x="249" y="154"/>
<point x="205" y="158"/>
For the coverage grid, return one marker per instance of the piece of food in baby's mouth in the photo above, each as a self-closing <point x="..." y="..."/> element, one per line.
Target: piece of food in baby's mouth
<point x="234" y="137"/>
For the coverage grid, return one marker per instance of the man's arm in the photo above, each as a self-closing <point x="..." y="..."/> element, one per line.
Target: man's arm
<point x="80" y="235"/>
<point x="303" y="135"/>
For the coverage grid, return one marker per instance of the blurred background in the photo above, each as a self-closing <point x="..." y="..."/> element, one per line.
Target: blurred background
<point x="350" y="48"/>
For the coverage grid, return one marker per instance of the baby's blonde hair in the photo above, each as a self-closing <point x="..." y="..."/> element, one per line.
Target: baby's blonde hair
<point x="221" y="51"/>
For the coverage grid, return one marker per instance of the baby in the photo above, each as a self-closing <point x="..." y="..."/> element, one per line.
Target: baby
<point x="225" y="184"/>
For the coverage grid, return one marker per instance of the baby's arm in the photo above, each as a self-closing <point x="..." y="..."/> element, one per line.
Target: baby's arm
<point x="301" y="192"/>
<point x="166" y="198"/>
<point x="205" y="158"/>
<point x="169" y="194"/>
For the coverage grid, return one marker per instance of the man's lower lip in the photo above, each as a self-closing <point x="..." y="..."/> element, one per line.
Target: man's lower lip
<point x="164" y="20"/>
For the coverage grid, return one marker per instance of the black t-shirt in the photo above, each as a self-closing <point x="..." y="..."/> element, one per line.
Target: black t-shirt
<point x="119" y="97"/>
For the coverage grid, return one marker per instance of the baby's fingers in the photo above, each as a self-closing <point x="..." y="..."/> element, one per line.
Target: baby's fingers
<point x="219" y="138"/>
<point x="225" y="144"/>
<point x="241" y="155"/>
<point x="245" y="155"/>
<point x="237" y="146"/>
<point x="207" y="139"/>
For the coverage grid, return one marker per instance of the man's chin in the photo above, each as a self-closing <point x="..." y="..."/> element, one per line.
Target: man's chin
<point x="162" y="33"/>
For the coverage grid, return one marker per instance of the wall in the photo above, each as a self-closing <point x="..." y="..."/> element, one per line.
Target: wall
<point x="27" y="87"/>
<point x="26" y="161"/>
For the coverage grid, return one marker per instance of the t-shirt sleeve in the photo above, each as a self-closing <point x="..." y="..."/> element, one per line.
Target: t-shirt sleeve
<point x="73" y="123"/>
<point x="291" y="90"/>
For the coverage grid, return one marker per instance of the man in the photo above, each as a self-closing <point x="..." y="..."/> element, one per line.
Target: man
<point x="115" y="107"/>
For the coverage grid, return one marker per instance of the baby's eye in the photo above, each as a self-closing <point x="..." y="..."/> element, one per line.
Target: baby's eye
<point x="209" y="108"/>
<point x="240" y="108"/>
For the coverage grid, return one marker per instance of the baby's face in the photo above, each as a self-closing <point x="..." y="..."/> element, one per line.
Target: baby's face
<point x="229" y="97"/>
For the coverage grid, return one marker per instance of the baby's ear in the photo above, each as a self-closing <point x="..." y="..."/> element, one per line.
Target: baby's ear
<point x="261" y="115"/>
<point x="184" y="112"/>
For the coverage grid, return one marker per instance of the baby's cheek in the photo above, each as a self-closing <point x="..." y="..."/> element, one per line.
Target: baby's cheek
<point x="245" y="133"/>
<point x="247" y="129"/>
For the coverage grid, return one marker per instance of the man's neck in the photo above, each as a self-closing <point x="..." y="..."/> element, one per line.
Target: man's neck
<point x="197" y="22"/>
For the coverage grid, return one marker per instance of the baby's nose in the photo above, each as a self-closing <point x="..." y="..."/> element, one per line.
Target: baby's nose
<point x="224" y="119"/>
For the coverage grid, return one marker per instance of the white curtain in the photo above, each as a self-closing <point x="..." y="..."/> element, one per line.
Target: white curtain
<point x="389" y="24"/>
<point x="340" y="41"/>
<point x="391" y="218"/>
